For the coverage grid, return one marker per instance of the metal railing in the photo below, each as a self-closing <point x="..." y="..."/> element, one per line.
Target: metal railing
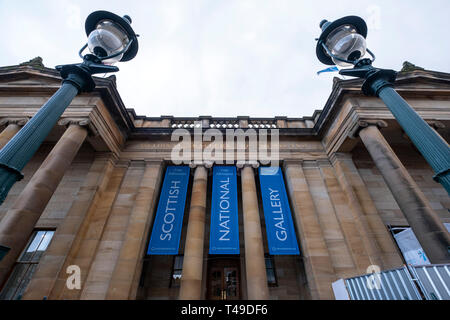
<point x="429" y="282"/>
<point x="433" y="280"/>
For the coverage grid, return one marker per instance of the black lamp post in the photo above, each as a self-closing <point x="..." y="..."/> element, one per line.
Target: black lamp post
<point x="110" y="39"/>
<point x="343" y="42"/>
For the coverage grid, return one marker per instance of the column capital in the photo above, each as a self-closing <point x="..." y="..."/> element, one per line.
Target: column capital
<point x="287" y="162"/>
<point x="150" y="162"/>
<point x="436" y="125"/>
<point x="106" y="156"/>
<point x="336" y="156"/>
<point x="20" y="121"/>
<point x="82" y="122"/>
<point x="364" y="123"/>
<point x="323" y="162"/>
<point x="292" y="160"/>
<point x="206" y="164"/>
<point x="122" y="163"/>
<point x="79" y="121"/>
<point x="310" y="163"/>
<point x="243" y="164"/>
<point x="137" y="164"/>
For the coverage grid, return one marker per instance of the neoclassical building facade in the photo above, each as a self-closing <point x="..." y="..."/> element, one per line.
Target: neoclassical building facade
<point x="79" y="223"/>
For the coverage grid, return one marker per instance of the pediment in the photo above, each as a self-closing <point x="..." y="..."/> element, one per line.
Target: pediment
<point x="423" y="81"/>
<point x="29" y="77"/>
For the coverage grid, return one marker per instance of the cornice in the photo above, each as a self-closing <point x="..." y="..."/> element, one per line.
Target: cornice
<point x="407" y="82"/>
<point x="144" y="132"/>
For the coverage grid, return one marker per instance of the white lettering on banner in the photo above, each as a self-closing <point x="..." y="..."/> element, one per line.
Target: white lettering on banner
<point x="224" y="212"/>
<point x="277" y="212"/>
<point x="169" y="216"/>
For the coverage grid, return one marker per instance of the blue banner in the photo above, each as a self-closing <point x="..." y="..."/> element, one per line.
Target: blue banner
<point x="165" y="238"/>
<point x="277" y="213"/>
<point x="224" y="232"/>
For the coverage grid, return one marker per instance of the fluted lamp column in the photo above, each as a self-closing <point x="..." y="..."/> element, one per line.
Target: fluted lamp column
<point x="192" y="274"/>
<point x="20" y="220"/>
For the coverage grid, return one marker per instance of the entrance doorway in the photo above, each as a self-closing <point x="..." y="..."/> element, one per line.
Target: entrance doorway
<point x="223" y="279"/>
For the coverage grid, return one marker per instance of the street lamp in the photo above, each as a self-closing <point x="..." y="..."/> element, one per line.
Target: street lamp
<point x="343" y="43"/>
<point x="110" y="39"/>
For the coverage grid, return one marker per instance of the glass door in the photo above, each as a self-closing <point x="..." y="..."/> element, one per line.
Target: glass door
<point x="223" y="279"/>
<point x="230" y="283"/>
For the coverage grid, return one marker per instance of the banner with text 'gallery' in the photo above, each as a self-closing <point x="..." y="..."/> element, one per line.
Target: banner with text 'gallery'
<point x="165" y="238"/>
<point x="277" y="213"/>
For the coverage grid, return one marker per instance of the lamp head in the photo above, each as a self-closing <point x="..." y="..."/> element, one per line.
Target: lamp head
<point x="111" y="37"/>
<point x="342" y="42"/>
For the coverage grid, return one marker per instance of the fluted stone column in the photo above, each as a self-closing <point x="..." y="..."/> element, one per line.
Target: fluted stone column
<point x="425" y="223"/>
<point x="18" y="223"/>
<point x="12" y="127"/>
<point x="114" y="235"/>
<point x="375" y="237"/>
<point x="125" y="278"/>
<point x="90" y="234"/>
<point x="45" y="279"/>
<point x="255" y="267"/>
<point x="192" y="275"/>
<point x="333" y="234"/>
<point x="354" y="234"/>
<point x="318" y="263"/>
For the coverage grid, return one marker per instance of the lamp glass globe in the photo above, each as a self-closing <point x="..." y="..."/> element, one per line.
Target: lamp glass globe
<point x="107" y="39"/>
<point x="346" y="43"/>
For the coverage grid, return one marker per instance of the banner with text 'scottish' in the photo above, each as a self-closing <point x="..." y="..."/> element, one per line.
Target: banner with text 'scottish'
<point x="165" y="238"/>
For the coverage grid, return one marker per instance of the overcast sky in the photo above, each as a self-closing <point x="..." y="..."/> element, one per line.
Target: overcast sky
<point x="227" y="57"/>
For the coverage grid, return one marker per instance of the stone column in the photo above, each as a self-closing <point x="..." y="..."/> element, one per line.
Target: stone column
<point x="318" y="263"/>
<point x="17" y="225"/>
<point x="343" y="264"/>
<point x="192" y="275"/>
<point x="363" y="254"/>
<point x="45" y="279"/>
<point x="114" y="235"/>
<point x="125" y="278"/>
<point x="90" y="233"/>
<point x="13" y="126"/>
<point x="425" y="223"/>
<point x="255" y="266"/>
<point x="377" y="240"/>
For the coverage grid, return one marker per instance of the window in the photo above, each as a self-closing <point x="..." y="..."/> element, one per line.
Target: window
<point x="177" y="269"/>
<point x="270" y="271"/>
<point x="26" y="265"/>
<point x="409" y="246"/>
